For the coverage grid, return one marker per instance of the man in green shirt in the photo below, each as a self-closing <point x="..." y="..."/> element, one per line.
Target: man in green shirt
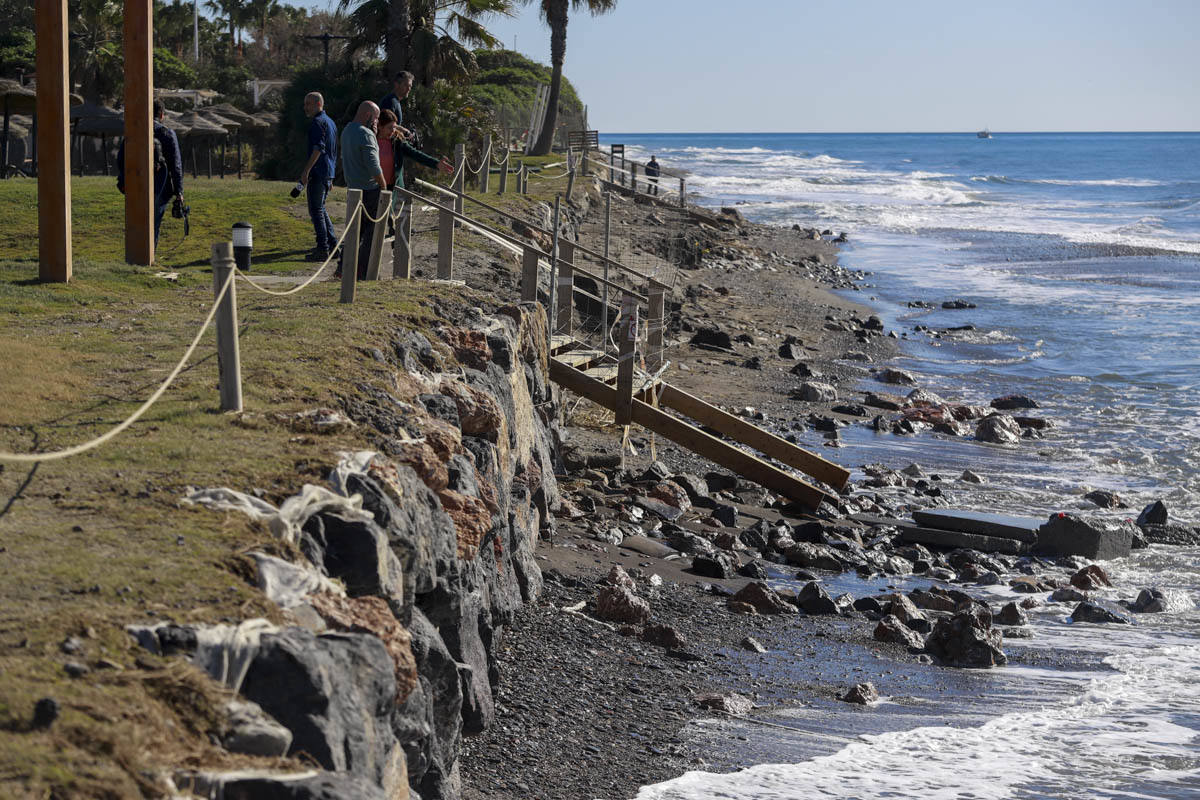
<point x="360" y="166"/>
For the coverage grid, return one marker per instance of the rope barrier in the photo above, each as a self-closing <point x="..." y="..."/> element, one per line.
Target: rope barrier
<point x="34" y="458"/>
<point x="311" y="278"/>
<point x="482" y="161"/>
<point x="537" y="176"/>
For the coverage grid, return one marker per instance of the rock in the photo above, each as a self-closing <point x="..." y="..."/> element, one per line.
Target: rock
<point x="1104" y="499"/>
<point x="657" y="472"/>
<point x="791" y="351"/>
<point x="672" y="494"/>
<point x="1159" y="601"/>
<point x="850" y="410"/>
<point x="717" y="565"/>
<point x="914" y="471"/>
<point x="1012" y="614"/>
<point x="76" y="669"/>
<point x="761" y="598"/>
<point x="1027" y="584"/>
<point x="924" y="397"/>
<point x="1175" y="535"/>
<point x="754" y="570"/>
<point x="695" y="487"/>
<point x="893" y="630"/>
<point x="895" y="376"/>
<point x="1153" y="514"/>
<point x="888" y="402"/>
<point x="861" y="693"/>
<point x="1067" y="594"/>
<point x="901" y="607"/>
<point x="868" y="605"/>
<point x="664" y="636"/>
<point x="738" y="607"/>
<point x="970" y="477"/>
<point x="812" y="391"/>
<point x="45" y="712"/>
<point x="1090" y="578"/>
<point x="712" y="337"/>
<point x="729" y="703"/>
<point x="720" y="481"/>
<point x="1013" y="401"/>
<point x="815" y="601"/>
<point x="753" y="645"/>
<point x="617" y="604"/>
<point x="1099" y="612"/>
<point x="1094" y="538"/>
<point x="957" y="305"/>
<point x="934" y="599"/>
<point x="665" y="511"/>
<point x="814" y="556"/>
<point x="803" y="370"/>
<point x="248" y="729"/>
<point x="262" y="785"/>
<point x="725" y="514"/>
<point x="357" y="552"/>
<point x="617" y="576"/>
<point x="967" y="640"/>
<point x="998" y="429"/>
<point x="754" y="362"/>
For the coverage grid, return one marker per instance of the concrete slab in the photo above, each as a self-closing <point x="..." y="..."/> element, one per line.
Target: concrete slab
<point x="1003" y="526"/>
<point x="1096" y="538"/>
<point x="916" y="534"/>
<point x="648" y="547"/>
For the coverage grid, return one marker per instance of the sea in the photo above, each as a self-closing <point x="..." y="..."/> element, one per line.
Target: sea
<point x="1081" y="254"/>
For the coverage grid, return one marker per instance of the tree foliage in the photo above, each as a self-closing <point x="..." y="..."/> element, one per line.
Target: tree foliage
<point x="507" y="85"/>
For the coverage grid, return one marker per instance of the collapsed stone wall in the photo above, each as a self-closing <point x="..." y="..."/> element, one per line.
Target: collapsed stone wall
<point x="378" y="687"/>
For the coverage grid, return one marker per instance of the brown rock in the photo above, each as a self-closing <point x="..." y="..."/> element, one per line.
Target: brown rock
<point x="617" y="604"/>
<point x="891" y="629"/>
<point x="478" y="412"/>
<point x="470" y="347"/>
<point x="901" y="607"/>
<point x="729" y="703"/>
<point x="672" y="494"/>
<point x="617" y="576"/>
<point x="738" y="607"/>
<point x="664" y="636"/>
<point x="423" y="460"/>
<point x="862" y="694"/>
<point x="372" y="615"/>
<point x="472" y="520"/>
<point x="762" y="598"/>
<point x="1090" y="578"/>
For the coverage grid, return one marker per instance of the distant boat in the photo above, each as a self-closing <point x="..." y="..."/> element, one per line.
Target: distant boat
<point x="984" y="134"/>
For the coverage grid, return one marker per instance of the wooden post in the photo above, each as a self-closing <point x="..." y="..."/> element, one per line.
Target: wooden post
<point x="378" y="234"/>
<point x="529" y="274"/>
<point x="654" y="327"/>
<point x="52" y="138"/>
<point x="239" y="153"/>
<point x="401" y="249"/>
<point x="570" y="183"/>
<point x="460" y="168"/>
<point x="604" y="287"/>
<point x="626" y="355"/>
<point x="139" y="132"/>
<point x="682" y="194"/>
<point x="229" y="359"/>
<point x="195" y="169"/>
<point x="485" y="171"/>
<point x="445" y="265"/>
<point x="612" y="162"/>
<point x="208" y="151"/>
<point x="523" y="179"/>
<point x="552" y="309"/>
<point x="566" y="288"/>
<point x="633" y="176"/>
<point x="504" y="176"/>
<point x="224" y="142"/>
<point x="350" y="246"/>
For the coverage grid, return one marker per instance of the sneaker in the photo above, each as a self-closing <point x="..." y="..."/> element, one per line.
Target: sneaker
<point x="316" y="255"/>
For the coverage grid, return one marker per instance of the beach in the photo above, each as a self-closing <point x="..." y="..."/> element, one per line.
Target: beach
<point x="634" y="720"/>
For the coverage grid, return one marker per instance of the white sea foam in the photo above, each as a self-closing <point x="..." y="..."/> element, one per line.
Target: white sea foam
<point x="1115" y="736"/>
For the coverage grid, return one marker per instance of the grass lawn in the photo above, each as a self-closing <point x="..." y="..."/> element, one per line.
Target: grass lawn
<point x="98" y="541"/>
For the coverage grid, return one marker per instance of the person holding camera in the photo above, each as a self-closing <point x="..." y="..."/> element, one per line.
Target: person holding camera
<point x="168" y="171"/>
<point x="317" y="175"/>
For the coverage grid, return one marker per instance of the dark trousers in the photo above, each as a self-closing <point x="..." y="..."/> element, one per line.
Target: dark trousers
<point x="317" y="191"/>
<point x="366" y="231"/>
<point x="653" y="186"/>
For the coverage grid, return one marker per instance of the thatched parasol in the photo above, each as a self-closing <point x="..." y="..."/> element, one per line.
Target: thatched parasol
<point x="90" y="119"/>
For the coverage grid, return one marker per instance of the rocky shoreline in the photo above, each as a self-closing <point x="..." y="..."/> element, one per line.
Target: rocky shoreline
<point x="658" y="608"/>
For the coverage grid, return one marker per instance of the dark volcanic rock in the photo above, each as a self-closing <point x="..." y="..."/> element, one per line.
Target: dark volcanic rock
<point x="618" y="604"/>
<point x="664" y="636"/>
<point x="998" y="429"/>
<point x="862" y="694"/>
<point x="1153" y="514"/>
<point x="1013" y="401"/>
<point x="1012" y="614"/>
<point x="814" y="600"/>
<point x="1104" y="499"/>
<point x="893" y="630"/>
<point x="1090" y="578"/>
<point x="1095" y="538"/>
<point x="712" y="337"/>
<point x="762" y="598"/>
<point x="716" y="565"/>
<point x="966" y="640"/>
<point x="1099" y="612"/>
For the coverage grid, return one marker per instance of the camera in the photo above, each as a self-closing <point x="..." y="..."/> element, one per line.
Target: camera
<point x="181" y="211"/>
<point x="297" y="189"/>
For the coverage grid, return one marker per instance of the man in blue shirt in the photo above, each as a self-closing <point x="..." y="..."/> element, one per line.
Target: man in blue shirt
<point x="362" y="170"/>
<point x="317" y="175"/>
<point x="168" y="167"/>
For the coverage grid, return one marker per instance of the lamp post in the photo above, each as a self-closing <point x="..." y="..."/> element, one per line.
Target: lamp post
<point x="243" y="243"/>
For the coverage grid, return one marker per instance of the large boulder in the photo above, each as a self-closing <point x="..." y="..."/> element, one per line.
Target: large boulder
<point x="429" y="723"/>
<point x="893" y="630"/>
<point x="1094" y="538"/>
<point x="814" y="556"/>
<point x="762" y="598"/>
<point x="1099" y="612"/>
<point x="1011" y="614"/>
<point x="1154" y="514"/>
<point x="712" y="337"/>
<point x="618" y="604"/>
<point x="1158" y="601"/>
<point x="717" y="565"/>
<point x="1090" y="578"/>
<point x="862" y="694"/>
<point x="966" y="639"/>
<point x="815" y="392"/>
<point x="814" y="600"/>
<point x="998" y="429"/>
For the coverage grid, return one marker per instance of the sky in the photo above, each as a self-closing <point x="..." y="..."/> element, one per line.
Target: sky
<point x="878" y="65"/>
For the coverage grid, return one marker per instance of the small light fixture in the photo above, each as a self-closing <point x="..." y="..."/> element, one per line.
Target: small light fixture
<point x="243" y="243"/>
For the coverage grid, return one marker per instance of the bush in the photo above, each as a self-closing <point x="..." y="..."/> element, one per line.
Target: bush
<point x="170" y="72"/>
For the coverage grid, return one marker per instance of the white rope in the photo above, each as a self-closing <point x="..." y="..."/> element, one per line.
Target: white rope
<point x="537" y="176"/>
<point x="458" y="170"/>
<point x="382" y="216"/>
<point x="310" y="279"/>
<point x="482" y="162"/>
<point x="99" y="440"/>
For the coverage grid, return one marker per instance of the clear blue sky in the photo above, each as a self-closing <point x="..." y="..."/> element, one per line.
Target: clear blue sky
<point x="879" y="65"/>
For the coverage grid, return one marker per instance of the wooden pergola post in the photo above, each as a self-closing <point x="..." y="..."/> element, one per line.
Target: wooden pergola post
<point x="53" y="143"/>
<point x="139" y="132"/>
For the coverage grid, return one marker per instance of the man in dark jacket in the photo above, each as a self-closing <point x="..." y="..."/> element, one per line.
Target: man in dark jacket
<point x="168" y="168"/>
<point x="401" y="86"/>
<point x="652" y="173"/>
<point x="317" y="175"/>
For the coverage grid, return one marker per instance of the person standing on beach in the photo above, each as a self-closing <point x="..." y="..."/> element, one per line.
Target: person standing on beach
<point x="362" y="170"/>
<point x="391" y="159"/>
<point x="652" y="172"/>
<point x="168" y="167"/>
<point x="401" y="85"/>
<point x="317" y="175"/>
<point x="400" y="137"/>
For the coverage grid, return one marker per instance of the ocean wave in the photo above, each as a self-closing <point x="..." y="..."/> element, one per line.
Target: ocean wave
<point x="1142" y="183"/>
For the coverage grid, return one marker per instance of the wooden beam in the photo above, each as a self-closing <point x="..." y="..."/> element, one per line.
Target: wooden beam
<point x="378" y="234"/>
<point x="741" y="431"/>
<point x="445" y="255"/>
<point x="139" y="132"/>
<point x="692" y="438"/>
<point x="53" y="143"/>
<point x="626" y="359"/>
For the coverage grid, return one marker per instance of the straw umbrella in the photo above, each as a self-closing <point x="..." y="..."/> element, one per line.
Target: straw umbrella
<point x="90" y="119"/>
<point x="230" y="126"/>
<point x="196" y="126"/>
<point x="17" y="100"/>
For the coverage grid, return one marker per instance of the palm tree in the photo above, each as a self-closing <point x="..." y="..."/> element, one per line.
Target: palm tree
<point x="95" y="47"/>
<point x="554" y="14"/>
<point x="261" y="11"/>
<point x="234" y="11"/>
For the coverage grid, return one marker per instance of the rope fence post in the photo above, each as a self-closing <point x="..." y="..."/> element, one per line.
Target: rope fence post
<point x="350" y="247"/>
<point x="229" y="360"/>
<point x="604" y="293"/>
<point x="553" y="308"/>
<point x="529" y="274"/>
<point x="682" y="193"/>
<point x="570" y="183"/>
<point x="566" y="287"/>
<point x="633" y="176"/>
<point x="655" y="319"/>
<point x="383" y="207"/>
<point x="485" y="171"/>
<point x="626" y="355"/>
<point x="523" y="179"/>
<point x="504" y="177"/>
<point x="612" y="162"/>
<point x="401" y="250"/>
<point x="445" y="265"/>
<point x="460" y="180"/>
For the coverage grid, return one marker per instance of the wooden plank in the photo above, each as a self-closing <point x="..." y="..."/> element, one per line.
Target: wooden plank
<point x="1003" y="526"/>
<point x="383" y="206"/>
<point x="54" y="146"/>
<point x="603" y="374"/>
<point x="626" y="358"/>
<point x="753" y="436"/>
<point x="139" y="133"/>
<point x="560" y="343"/>
<point x="693" y="438"/>
<point x="579" y="359"/>
<point x="445" y="257"/>
<point x="916" y="534"/>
